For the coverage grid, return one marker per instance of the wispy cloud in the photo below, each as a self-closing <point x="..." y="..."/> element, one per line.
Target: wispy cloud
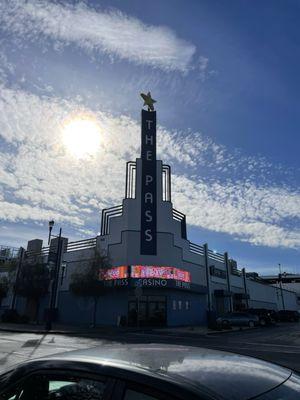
<point x="6" y="67"/>
<point x="112" y="33"/>
<point x="255" y="214"/>
<point x="39" y="180"/>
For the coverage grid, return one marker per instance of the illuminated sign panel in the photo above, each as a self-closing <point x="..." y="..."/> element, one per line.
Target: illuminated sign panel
<point x="148" y="192"/>
<point x="152" y="271"/>
<point x="114" y="273"/>
<point x="145" y="272"/>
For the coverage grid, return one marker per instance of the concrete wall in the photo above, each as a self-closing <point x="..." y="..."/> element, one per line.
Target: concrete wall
<point x="267" y="296"/>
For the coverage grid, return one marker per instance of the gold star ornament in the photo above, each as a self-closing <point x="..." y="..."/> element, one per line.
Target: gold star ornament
<point x="148" y="101"/>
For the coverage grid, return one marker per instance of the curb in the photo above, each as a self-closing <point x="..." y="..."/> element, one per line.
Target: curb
<point x="209" y="332"/>
<point x="61" y="332"/>
<point x="93" y="333"/>
<point x="39" y="331"/>
<point x="233" y="330"/>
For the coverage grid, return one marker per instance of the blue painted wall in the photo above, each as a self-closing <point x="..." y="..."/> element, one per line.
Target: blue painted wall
<point x="195" y="315"/>
<point x="79" y="310"/>
<point x="112" y="306"/>
<point x="74" y="310"/>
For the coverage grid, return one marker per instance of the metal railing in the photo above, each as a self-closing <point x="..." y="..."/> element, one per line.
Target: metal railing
<point x="166" y="182"/>
<point x="107" y="214"/>
<point x="195" y="248"/>
<point x="130" y="188"/>
<point x="43" y="251"/>
<point x="71" y="246"/>
<point x="8" y="252"/>
<point x="180" y="217"/>
<point x="215" y="256"/>
<point x="82" y="244"/>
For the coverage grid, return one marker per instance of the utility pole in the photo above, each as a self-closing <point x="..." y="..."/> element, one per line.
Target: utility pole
<point x="245" y="287"/>
<point x="18" y="271"/>
<point x="209" y="305"/>
<point x="280" y="285"/>
<point x="54" y="284"/>
<point x="226" y="261"/>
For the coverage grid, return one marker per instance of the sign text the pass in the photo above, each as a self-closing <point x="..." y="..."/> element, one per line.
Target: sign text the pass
<point x="148" y="199"/>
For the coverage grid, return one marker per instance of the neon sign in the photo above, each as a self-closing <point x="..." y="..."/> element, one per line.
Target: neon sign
<point x="149" y="184"/>
<point x="152" y="271"/>
<point x="145" y="272"/>
<point x="114" y="273"/>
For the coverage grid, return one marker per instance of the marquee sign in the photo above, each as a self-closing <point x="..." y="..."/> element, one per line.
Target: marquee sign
<point x="151" y="271"/>
<point x="148" y="192"/>
<point x="149" y="276"/>
<point x="146" y="273"/>
<point x="114" y="273"/>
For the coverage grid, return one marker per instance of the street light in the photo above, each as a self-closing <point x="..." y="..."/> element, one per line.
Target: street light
<point x="51" y="224"/>
<point x="54" y="285"/>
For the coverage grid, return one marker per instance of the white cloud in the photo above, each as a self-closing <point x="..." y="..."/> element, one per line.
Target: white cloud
<point x="247" y="212"/>
<point x="112" y="33"/>
<point x="39" y="179"/>
<point x="6" y="67"/>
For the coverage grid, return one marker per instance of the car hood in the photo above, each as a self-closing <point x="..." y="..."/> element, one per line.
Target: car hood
<point x="229" y="375"/>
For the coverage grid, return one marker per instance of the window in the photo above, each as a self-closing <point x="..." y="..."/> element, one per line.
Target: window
<point x="187" y="305"/>
<point x="179" y="304"/>
<point x="43" y="387"/>
<point x="57" y="385"/>
<point x="76" y="390"/>
<point x="174" y="305"/>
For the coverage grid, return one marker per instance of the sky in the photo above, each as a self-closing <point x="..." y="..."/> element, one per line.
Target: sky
<point x="225" y="75"/>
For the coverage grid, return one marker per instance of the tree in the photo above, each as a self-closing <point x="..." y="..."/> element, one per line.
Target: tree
<point x="85" y="281"/>
<point x="33" y="283"/>
<point x="4" y="287"/>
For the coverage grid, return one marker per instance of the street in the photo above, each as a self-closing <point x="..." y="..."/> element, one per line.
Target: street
<point x="279" y="344"/>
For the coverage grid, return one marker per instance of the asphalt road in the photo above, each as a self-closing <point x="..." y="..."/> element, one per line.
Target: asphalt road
<point x="280" y="344"/>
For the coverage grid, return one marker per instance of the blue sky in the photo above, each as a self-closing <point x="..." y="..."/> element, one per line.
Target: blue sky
<point x="226" y="78"/>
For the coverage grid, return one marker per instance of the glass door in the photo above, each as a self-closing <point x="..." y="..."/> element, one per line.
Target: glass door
<point x="157" y="313"/>
<point x="149" y="311"/>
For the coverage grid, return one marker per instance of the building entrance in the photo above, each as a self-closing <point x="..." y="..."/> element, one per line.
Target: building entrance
<point x="147" y="311"/>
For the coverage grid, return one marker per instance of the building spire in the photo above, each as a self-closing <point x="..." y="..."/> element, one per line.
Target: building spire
<point x="148" y="240"/>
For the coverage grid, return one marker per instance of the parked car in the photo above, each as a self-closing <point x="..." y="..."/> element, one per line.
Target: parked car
<point x="238" y="319"/>
<point x="149" y="372"/>
<point x="266" y="317"/>
<point x="288" y="316"/>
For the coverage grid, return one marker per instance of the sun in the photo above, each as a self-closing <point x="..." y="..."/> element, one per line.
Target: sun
<point x="82" y="136"/>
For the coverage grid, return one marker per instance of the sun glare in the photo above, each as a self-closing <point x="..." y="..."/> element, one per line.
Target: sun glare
<point x="82" y="137"/>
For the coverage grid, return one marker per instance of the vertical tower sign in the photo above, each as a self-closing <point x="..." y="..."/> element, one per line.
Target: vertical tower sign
<point x="148" y="198"/>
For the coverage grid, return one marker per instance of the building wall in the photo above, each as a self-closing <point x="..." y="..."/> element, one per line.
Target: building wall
<point x="193" y="309"/>
<point x="114" y="305"/>
<point x="290" y="300"/>
<point x="267" y="296"/>
<point x="79" y="310"/>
